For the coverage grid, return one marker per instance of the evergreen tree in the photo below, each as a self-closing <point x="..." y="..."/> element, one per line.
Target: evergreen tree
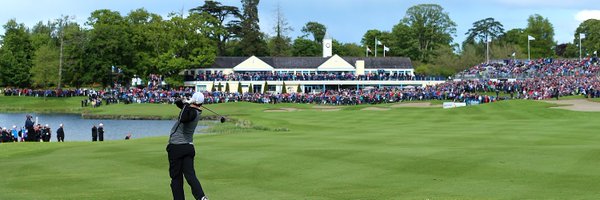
<point x="252" y="40"/>
<point x="265" y="87"/>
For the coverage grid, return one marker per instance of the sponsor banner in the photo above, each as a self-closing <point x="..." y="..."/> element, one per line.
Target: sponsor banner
<point x="453" y="105"/>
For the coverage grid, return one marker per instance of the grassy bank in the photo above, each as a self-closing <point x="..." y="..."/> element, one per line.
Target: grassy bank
<point x="505" y="150"/>
<point x="41" y="105"/>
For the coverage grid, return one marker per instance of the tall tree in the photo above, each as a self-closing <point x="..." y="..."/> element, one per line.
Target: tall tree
<point x="41" y="34"/>
<point x="188" y="48"/>
<point x="143" y="32"/>
<point x="226" y="26"/>
<point x="76" y="42"/>
<point x="543" y="32"/>
<point x="591" y="43"/>
<point x="279" y="44"/>
<point x="316" y="29"/>
<point x="45" y="69"/>
<point x="430" y="27"/>
<point x="368" y="38"/>
<point x="384" y="37"/>
<point x="514" y="36"/>
<point x="404" y="42"/>
<point x="252" y="40"/>
<point x="484" y="30"/>
<point x="16" y="55"/>
<point x="347" y="49"/>
<point x="109" y="45"/>
<point x="305" y="47"/>
<point x="61" y="24"/>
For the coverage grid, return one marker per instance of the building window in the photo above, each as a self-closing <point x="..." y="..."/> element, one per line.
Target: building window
<point x="201" y="88"/>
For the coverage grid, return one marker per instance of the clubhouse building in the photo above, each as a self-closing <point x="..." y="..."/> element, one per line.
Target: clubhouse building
<point x="364" y="67"/>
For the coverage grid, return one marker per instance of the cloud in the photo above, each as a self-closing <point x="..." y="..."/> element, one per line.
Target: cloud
<point x="587" y="14"/>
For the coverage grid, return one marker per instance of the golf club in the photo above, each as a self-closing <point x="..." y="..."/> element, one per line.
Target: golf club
<point x="222" y="118"/>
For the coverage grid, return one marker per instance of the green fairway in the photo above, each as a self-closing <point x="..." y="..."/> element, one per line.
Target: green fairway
<point x="506" y="150"/>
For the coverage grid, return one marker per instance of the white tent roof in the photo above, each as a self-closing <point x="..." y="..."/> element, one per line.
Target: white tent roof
<point x="253" y="64"/>
<point x="336" y="63"/>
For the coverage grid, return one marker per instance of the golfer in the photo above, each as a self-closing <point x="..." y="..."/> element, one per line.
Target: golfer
<point x="181" y="150"/>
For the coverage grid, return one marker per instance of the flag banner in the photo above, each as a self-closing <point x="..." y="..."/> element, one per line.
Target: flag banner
<point x="386" y="48"/>
<point x="378" y="42"/>
<point x="514" y="54"/>
<point x="369" y="49"/>
<point x="582" y="35"/>
<point x="595" y="52"/>
<point x="529" y="37"/>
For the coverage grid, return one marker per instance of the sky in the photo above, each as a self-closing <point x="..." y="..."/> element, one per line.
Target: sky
<point x="346" y="20"/>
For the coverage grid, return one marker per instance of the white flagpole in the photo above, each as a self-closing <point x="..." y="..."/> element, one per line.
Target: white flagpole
<point x="528" y="49"/>
<point x="375" y="46"/>
<point x="487" y="51"/>
<point x="580" y="47"/>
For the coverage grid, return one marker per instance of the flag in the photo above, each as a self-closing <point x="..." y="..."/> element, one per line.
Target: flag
<point x="514" y="54"/>
<point x="489" y="40"/>
<point x="529" y="37"/>
<point x="386" y="48"/>
<point x="369" y="49"/>
<point x="595" y="52"/>
<point x="582" y="36"/>
<point x="378" y="42"/>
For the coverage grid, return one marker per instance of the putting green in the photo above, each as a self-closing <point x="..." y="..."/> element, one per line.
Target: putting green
<point x="506" y="150"/>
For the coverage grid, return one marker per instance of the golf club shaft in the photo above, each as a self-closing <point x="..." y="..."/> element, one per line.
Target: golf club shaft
<point x="211" y="111"/>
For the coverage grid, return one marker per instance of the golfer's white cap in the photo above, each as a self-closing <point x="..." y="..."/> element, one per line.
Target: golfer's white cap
<point x="197" y="98"/>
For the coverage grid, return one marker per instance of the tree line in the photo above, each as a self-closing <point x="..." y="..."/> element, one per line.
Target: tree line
<point x="111" y="48"/>
<point x="426" y="32"/>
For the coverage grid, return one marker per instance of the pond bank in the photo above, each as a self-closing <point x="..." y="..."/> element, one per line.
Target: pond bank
<point x="140" y="117"/>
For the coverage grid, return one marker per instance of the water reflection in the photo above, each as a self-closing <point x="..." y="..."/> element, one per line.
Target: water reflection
<point x="78" y="129"/>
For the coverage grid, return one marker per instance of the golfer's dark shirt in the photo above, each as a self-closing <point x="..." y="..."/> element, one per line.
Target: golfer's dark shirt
<point x="183" y="130"/>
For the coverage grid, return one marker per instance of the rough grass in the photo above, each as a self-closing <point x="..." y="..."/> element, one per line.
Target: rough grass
<point x="505" y="150"/>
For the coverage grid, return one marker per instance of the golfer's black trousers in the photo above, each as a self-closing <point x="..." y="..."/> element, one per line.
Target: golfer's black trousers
<point x="181" y="163"/>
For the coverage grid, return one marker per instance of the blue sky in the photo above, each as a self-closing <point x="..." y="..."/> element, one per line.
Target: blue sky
<point x="346" y="20"/>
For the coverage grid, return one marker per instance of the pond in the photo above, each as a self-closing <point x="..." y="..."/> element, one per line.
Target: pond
<point x="79" y="129"/>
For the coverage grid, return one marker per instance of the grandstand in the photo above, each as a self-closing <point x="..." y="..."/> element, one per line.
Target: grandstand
<point x="310" y="74"/>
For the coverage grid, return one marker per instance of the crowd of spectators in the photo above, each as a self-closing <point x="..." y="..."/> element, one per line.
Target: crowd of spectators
<point x="38" y="133"/>
<point x="44" y="93"/>
<point x="515" y="69"/>
<point x="350" y="96"/>
<point x="546" y="78"/>
<point x="320" y="76"/>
